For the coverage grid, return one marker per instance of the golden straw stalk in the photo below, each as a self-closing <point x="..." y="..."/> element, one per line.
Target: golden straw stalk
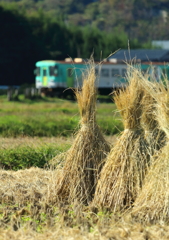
<point x="85" y="158"/>
<point x="123" y="173"/>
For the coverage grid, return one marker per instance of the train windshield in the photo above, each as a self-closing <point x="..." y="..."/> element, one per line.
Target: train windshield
<point x="44" y="72"/>
<point x="53" y="71"/>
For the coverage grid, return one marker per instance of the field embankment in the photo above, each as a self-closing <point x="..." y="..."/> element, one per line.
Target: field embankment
<point x="33" y="132"/>
<point x="51" y="117"/>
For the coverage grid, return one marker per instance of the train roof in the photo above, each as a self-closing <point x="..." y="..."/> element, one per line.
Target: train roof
<point x="145" y="55"/>
<point x="52" y="62"/>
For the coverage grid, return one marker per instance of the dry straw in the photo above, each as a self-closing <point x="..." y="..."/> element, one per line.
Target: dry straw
<point x="85" y="157"/>
<point x="152" y="203"/>
<point x="154" y="136"/>
<point x="123" y="173"/>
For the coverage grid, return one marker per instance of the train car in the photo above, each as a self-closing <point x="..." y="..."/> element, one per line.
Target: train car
<point x="58" y="77"/>
<point x="157" y="70"/>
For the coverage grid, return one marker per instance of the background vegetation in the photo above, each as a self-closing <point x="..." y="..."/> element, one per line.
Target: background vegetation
<point x="33" y="30"/>
<point x="32" y="132"/>
<point x="50" y="118"/>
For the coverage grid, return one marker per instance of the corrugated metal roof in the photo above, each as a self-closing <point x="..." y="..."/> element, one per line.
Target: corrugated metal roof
<point x="163" y="44"/>
<point x="142" y="54"/>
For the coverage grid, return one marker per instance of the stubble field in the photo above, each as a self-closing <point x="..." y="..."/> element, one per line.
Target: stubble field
<point x="32" y="133"/>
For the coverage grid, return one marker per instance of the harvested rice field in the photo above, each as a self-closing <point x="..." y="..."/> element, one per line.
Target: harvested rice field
<point x="89" y="184"/>
<point x="28" y="211"/>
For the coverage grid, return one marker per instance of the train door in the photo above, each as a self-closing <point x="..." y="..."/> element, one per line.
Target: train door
<point x="44" y="76"/>
<point x="70" y="77"/>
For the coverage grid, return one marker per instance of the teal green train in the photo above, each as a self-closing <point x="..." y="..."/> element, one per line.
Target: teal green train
<point x="59" y="77"/>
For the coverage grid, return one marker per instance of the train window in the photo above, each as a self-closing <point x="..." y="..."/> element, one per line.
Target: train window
<point x="44" y="72"/>
<point x="96" y="71"/>
<point x="105" y="72"/>
<point x="124" y="71"/>
<point x="53" y="71"/>
<point x="115" y="72"/>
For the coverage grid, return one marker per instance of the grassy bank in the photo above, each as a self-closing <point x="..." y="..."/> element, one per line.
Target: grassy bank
<point x="25" y="152"/>
<point x="22" y="153"/>
<point x="50" y="117"/>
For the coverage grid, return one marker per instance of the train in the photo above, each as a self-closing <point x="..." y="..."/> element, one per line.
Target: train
<point x="58" y="78"/>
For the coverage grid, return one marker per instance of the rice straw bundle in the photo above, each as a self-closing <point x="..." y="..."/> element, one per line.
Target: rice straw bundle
<point x="85" y="158"/>
<point x="122" y="175"/>
<point x="155" y="137"/>
<point x="152" y="203"/>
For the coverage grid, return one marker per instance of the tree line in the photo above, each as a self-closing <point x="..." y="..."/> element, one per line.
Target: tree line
<point x="27" y="38"/>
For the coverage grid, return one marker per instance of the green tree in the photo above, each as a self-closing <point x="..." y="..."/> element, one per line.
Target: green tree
<point x="19" y="49"/>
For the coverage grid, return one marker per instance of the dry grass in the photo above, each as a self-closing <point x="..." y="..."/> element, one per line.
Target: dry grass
<point x="28" y="196"/>
<point x="154" y="135"/>
<point x="125" y="168"/>
<point x="152" y="203"/>
<point x="84" y="159"/>
<point x="34" y="141"/>
<point x="53" y="203"/>
<point x="24" y="186"/>
<point x="120" y="232"/>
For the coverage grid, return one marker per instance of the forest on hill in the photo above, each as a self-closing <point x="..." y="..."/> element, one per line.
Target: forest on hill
<point x="33" y="30"/>
<point x="141" y="19"/>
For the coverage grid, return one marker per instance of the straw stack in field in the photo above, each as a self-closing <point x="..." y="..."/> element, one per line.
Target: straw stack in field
<point x="122" y="175"/>
<point x="85" y="158"/>
<point x="154" y="136"/>
<point x="152" y="203"/>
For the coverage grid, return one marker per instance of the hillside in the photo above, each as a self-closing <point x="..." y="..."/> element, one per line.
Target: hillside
<point x="33" y="30"/>
<point x="141" y="19"/>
